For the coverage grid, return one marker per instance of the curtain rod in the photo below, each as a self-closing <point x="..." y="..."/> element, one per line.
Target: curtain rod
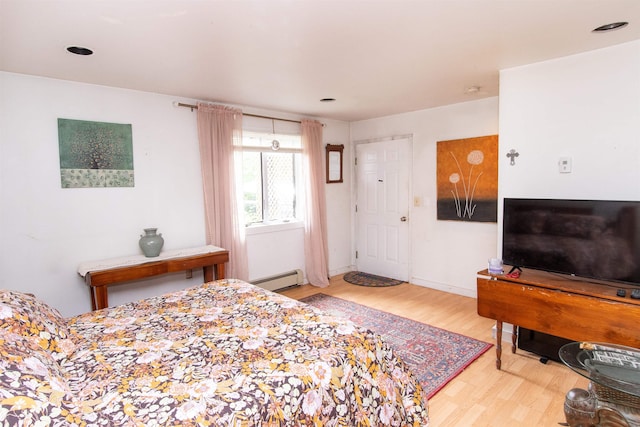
<point x="195" y="107"/>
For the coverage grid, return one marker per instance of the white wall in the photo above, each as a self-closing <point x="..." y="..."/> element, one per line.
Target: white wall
<point x="586" y="107"/>
<point x="445" y="255"/>
<point x="46" y="231"/>
<point x="339" y="206"/>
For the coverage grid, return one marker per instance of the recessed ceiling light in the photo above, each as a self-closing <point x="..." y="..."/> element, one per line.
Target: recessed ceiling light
<point x="327" y="99"/>
<point x="80" y="50"/>
<point x="610" y="27"/>
<point x="472" y="90"/>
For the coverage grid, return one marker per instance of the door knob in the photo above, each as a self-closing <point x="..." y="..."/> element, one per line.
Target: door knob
<point x="403" y="219"/>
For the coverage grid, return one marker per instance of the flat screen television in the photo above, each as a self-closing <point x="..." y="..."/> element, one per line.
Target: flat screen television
<point x="598" y="239"/>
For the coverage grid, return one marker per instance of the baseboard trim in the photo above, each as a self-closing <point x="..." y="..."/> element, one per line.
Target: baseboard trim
<point x="471" y="293"/>
<point x="507" y="332"/>
<point x="342" y="270"/>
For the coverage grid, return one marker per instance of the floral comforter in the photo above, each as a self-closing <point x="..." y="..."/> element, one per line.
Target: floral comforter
<point x="225" y="353"/>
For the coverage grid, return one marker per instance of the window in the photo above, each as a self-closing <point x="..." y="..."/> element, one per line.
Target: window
<point x="271" y="177"/>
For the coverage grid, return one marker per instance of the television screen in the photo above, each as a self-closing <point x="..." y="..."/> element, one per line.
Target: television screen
<point x="597" y="239"/>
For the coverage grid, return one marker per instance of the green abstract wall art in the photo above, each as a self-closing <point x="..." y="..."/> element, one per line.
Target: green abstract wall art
<point x="95" y="154"/>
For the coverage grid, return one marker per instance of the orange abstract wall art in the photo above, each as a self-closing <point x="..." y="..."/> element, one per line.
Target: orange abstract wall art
<point x="467" y="179"/>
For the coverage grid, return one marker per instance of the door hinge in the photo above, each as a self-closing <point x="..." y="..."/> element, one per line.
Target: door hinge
<point x="356" y="254"/>
<point x="356" y="160"/>
<point x="356" y="208"/>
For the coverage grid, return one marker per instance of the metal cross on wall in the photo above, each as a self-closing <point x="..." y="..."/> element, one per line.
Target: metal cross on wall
<point x="512" y="155"/>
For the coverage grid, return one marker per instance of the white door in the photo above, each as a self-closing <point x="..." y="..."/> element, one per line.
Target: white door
<point x="382" y="215"/>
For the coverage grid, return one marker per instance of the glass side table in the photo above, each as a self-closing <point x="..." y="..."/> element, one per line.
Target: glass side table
<point x="614" y="388"/>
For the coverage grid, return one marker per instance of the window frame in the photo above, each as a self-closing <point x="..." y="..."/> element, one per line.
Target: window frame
<point x="298" y="219"/>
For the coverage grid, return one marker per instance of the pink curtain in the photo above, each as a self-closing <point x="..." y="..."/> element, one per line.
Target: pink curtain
<point x="219" y="130"/>
<point x="315" y="230"/>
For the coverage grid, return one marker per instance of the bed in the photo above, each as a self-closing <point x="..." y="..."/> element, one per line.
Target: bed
<point x="225" y="353"/>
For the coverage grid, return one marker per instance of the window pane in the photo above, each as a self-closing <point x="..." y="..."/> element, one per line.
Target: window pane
<point x="252" y="186"/>
<point x="279" y="186"/>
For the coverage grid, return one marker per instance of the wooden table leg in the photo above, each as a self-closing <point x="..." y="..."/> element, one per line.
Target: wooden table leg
<point x="514" y="339"/>
<point x="207" y="270"/>
<point x="498" y="344"/>
<point x="220" y="271"/>
<point x="93" y="298"/>
<point x="101" y="297"/>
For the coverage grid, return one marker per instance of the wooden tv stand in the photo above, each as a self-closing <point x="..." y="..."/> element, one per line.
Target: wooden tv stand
<point x="565" y="306"/>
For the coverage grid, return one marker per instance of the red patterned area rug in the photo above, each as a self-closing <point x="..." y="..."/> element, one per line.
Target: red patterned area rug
<point x="435" y="355"/>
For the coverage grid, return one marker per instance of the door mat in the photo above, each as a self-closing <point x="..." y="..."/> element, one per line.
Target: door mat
<point x="366" y="279"/>
<point x="434" y="355"/>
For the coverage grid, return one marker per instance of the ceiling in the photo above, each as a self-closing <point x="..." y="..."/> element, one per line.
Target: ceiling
<point x="375" y="57"/>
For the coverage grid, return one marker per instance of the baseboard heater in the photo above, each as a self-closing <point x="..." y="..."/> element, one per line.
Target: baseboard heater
<point x="280" y="281"/>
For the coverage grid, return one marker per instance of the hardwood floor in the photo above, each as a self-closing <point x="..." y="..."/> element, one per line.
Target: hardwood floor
<point x="524" y="393"/>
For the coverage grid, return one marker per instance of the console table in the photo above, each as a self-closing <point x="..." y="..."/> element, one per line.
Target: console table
<point x="99" y="275"/>
<point x="560" y="305"/>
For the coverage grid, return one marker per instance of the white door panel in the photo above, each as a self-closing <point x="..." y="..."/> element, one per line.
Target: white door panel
<point x="383" y="201"/>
